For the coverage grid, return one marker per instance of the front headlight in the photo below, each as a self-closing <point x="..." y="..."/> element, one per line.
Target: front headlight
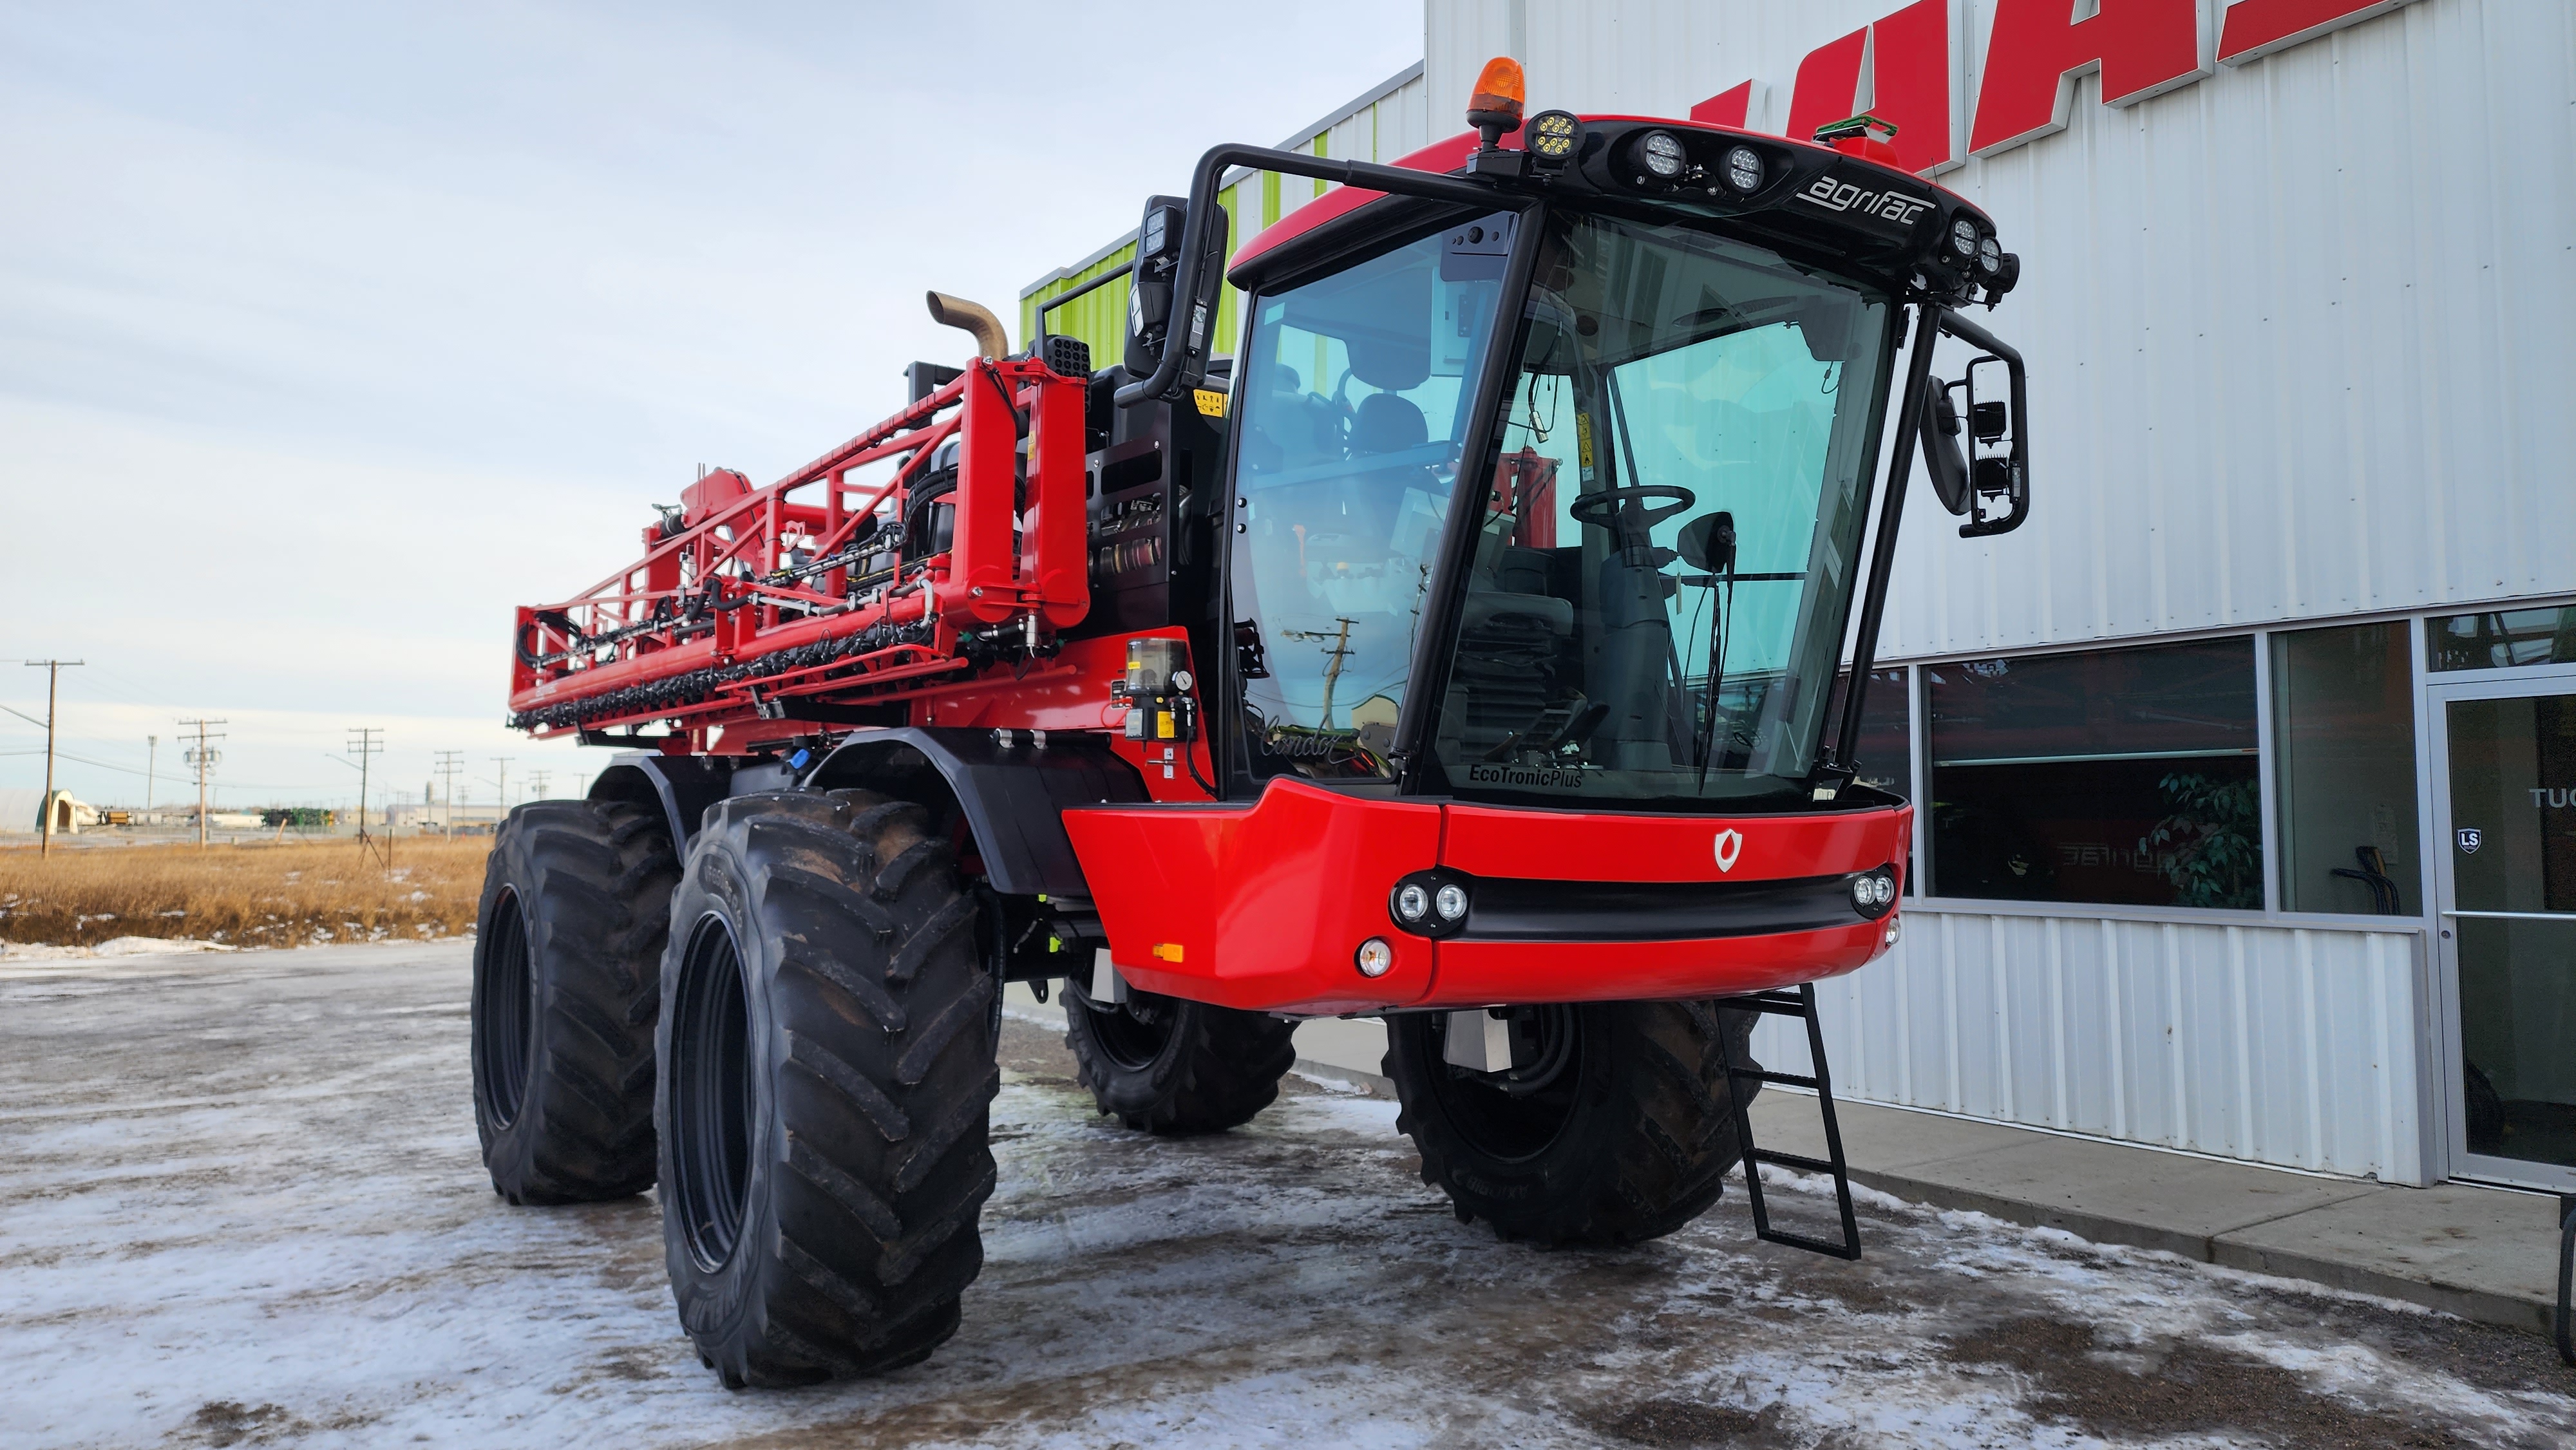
<point x="1451" y="902"/>
<point x="1963" y="238"/>
<point x="1411" y="901"/>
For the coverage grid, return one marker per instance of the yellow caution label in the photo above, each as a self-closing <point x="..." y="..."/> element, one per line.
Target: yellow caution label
<point x="1211" y="402"/>
<point x="1583" y="437"/>
<point x="1163" y="722"/>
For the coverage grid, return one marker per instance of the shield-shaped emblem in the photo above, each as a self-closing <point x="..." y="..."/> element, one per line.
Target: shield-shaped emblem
<point x="2470" y="839"/>
<point x="1730" y="844"/>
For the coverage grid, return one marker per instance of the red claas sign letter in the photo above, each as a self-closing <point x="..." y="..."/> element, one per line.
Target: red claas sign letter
<point x="1909" y="59"/>
<point x="2037" y="49"/>
<point x="2256" y="28"/>
<point x="1908" y="53"/>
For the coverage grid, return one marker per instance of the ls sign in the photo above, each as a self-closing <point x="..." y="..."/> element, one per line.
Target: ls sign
<point x="1902" y="66"/>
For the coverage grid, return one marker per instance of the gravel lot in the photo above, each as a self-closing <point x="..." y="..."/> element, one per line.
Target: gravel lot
<point x="240" y="1204"/>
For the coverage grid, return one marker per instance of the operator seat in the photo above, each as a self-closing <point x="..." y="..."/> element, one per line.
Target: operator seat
<point x="1387" y="423"/>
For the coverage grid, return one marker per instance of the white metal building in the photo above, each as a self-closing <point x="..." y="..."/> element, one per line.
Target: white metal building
<point x="2247" y="772"/>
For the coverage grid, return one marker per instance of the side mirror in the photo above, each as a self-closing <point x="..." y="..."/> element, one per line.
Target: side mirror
<point x="1944" y="457"/>
<point x="1162" y="325"/>
<point x="1985" y="475"/>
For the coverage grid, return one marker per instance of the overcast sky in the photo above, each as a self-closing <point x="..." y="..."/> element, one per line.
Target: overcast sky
<point x="329" y="333"/>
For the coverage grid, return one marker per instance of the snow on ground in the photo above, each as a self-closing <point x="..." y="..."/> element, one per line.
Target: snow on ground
<point x="121" y="946"/>
<point x="240" y="1203"/>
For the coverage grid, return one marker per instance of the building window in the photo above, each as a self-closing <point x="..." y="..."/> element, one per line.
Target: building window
<point x="1886" y="731"/>
<point x="2502" y="638"/>
<point x="2125" y="776"/>
<point x="2343" y="721"/>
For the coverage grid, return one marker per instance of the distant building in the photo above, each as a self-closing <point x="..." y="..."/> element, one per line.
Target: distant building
<point x="70" y="816"/>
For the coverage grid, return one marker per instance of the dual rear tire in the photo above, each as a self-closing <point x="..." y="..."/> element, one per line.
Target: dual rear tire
<point x="567" y="982"/>
<point x="827" y="1079"/>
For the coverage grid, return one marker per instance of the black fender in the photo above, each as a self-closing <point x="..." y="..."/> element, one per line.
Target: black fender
<point x="1012" y="792"/>
<point x="679" y="786"/>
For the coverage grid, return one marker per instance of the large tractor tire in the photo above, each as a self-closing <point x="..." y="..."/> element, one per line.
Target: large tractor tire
<point x="1620" y="1128"/>
<point x="567" y="979"/>
<point x="1173" y="1067"/>
<point x="826" y="1086"/>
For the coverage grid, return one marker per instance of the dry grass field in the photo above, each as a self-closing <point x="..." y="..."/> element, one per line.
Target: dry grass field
<point x="282" y="895"/>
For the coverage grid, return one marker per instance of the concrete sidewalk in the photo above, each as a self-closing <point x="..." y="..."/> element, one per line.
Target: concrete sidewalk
<point x="2484" y="1254"/>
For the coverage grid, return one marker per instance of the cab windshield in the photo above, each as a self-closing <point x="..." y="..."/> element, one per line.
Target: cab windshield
<point x="1656" y="604"/>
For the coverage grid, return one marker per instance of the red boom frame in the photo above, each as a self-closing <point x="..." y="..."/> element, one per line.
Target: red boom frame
<point x="744" y="608"/>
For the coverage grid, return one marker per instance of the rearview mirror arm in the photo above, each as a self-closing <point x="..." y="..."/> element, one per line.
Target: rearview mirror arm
<point x="1188" y="285"/>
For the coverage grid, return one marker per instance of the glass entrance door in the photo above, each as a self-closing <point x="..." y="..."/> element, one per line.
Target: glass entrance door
<point x="2508" y="887"/>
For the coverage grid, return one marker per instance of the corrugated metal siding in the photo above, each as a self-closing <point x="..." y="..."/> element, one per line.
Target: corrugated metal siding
<point x="1385" y="124"/>
<point x="2296" y="330"/>
<point x="2297" y="1046"/>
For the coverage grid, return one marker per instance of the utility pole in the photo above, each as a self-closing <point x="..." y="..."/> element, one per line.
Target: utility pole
<point x="365" y="742"/>
<point x="449" y="763"/>
<point x="151" y="763"/>
<point x="501" y="782"/>
<point x="1340" y="651"/>
<point x="204" y="758"/>
<point x="537" y="784"/>
<point x="53" y="672"/>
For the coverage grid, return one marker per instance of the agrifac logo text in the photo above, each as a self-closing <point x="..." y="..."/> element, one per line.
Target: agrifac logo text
<point x="1843" y="196"/>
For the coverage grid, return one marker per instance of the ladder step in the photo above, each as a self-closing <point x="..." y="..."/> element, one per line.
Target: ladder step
<point x="1793" y="1160"/>
<point x="1800" y="1004"/>
<point x="1825" y="1247"/>
<point x="1784" y="1079"/>
<point x="1792" y="1007"/>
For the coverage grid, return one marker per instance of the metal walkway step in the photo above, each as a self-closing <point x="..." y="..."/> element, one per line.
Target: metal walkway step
<point x="1800" y="1004"/>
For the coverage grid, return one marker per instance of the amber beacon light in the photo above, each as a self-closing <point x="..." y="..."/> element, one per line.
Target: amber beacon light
<point x="1494" y="108"/>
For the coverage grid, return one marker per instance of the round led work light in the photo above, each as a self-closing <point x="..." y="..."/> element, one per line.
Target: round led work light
<point x="1744" y="168"/>
<point x="1963" y="237"/>
<point x="1660" y="152"/>
<point x="1552" y="137"/>
<point x="1990" y="256"/>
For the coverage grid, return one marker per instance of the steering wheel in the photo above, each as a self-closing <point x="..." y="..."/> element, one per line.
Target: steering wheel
<point x="1596" y="508"/>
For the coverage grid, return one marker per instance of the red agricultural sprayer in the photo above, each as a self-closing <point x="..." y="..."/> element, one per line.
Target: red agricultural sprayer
<point x="1461" y="649"/>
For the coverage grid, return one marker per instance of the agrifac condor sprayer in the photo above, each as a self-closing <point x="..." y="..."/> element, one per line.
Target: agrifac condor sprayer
<point x="1461" y="651"/>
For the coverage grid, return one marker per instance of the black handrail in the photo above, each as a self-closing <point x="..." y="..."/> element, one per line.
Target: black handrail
<point x="1061" y="298"/>
<point x="1187" y="283"/>
<point x="1882" y="557"/>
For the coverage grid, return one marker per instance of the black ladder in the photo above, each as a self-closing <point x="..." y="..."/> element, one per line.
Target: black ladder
<point x="1800" y="1003"/>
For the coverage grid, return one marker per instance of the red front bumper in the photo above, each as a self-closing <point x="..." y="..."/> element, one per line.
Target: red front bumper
<point x="1263" y="906"/>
